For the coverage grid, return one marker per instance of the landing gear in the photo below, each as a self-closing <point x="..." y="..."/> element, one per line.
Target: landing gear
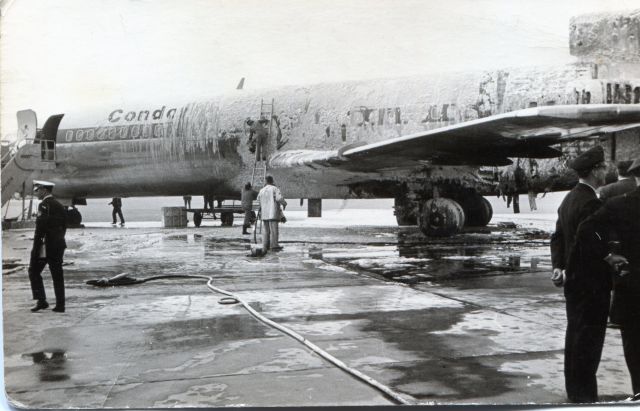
<point x="197" y="219"/>
<point x="226" y="218"/>
<point x="441" y="217"/>
<point x="74" y="218"/>
<point x="477" y="210"/>
<point x="404" y="211"/>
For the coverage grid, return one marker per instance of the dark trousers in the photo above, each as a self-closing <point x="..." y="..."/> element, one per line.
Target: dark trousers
<point x="117" y="211"/>
<point x="36" y="265"/>
<point x="247" y="220"/>
<point x="631" y="345"/>
<point x="586" y="327"/>
<point x="260" y="154"/>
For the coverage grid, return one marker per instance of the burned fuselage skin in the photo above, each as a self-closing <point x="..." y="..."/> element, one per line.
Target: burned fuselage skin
<point x="202" y="147"/>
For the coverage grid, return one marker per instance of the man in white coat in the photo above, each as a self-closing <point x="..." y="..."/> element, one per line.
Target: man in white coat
<point x="270" y="200"/>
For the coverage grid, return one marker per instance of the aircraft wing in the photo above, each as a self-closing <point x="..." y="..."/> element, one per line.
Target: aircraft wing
<point x="488" y="141"/>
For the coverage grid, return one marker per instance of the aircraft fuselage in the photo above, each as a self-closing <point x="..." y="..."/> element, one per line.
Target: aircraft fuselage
<point x="201" y="147"/>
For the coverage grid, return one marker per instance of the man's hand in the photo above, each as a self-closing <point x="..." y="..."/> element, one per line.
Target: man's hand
<point x="558" y="277"/>
<point x="616" y="261"/>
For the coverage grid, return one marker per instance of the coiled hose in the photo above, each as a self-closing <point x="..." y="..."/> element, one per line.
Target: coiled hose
<point x="123" y="279"/>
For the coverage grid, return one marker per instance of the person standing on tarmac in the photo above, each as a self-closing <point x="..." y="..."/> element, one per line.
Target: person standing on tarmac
<point x="187" y="201"/>
<point x="48" y="247"/>
<point x="246" y="199"/>
<point x="625" y="184"/>
<point x="619" y="220"/>
<point x="270" y="200"/>
<point x="116" y="202"/>
<point x="586" y="287"/>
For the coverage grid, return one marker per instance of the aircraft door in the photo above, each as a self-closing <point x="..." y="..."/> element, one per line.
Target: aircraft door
<point x="48" y="137"/>
<point x="27" y="124"/>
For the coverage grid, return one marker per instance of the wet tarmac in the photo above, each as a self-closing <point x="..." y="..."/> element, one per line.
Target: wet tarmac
<point x="469" y="319"/>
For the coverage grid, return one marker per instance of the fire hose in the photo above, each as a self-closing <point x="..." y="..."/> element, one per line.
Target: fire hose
<point x="123" y="279"/>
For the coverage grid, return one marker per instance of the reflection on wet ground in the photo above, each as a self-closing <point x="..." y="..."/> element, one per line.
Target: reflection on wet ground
<point x="51" y="365"/>
<point x="404" y="255"/>
<point x="414" y="260"/>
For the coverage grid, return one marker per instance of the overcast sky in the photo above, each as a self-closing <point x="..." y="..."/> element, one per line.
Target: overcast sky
<point x="68" y="55"/>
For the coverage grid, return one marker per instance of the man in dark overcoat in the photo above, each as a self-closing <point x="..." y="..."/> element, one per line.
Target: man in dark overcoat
<point x="619" y="220"/>
<point x="625" y="184"/>
<point x="247" y="197"/>
<point x="48" y="247"/>
<point x="116" y="203"/>
<point x="587" y="304"/>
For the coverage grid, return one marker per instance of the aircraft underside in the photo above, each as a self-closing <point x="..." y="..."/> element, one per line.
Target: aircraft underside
<point x="440" y="200"/>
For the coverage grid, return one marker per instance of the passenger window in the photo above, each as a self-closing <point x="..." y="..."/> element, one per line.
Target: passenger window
<point x="158" y="130"/>
<point x="627" y="94"/>
<point x="135" y="131"/>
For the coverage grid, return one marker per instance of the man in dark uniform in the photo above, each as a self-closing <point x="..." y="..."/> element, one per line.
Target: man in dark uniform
<point x="587" y="305"/>
<point x="116" y="202"/>
<point x="247" y="197"/>
<point x="625" y="183"/>
<point x="619" y="220"/>
<point x="48" y="247"/>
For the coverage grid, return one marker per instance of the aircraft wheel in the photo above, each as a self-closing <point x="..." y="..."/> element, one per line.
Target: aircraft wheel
<point x="441" y="217"/>
<point x="197" y="219"/>
<point x="226" y="218"/>
<point x="477" y="211"/>
<point x="404" y="212"/>
<point x="74" y="218"/>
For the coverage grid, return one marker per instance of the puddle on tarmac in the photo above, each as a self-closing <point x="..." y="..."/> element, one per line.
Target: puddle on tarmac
<point x="51" y="365"/>
<point x="403" y="255"/>
<point x="414" y="260"/>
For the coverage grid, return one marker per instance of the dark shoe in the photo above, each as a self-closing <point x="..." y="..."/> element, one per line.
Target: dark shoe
<point x="40" y="305"/>
<point x="245" y="232"/>
<point x="58" y="309"/>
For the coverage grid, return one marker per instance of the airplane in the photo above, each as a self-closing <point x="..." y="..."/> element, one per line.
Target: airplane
<point x="436" y="144"/>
